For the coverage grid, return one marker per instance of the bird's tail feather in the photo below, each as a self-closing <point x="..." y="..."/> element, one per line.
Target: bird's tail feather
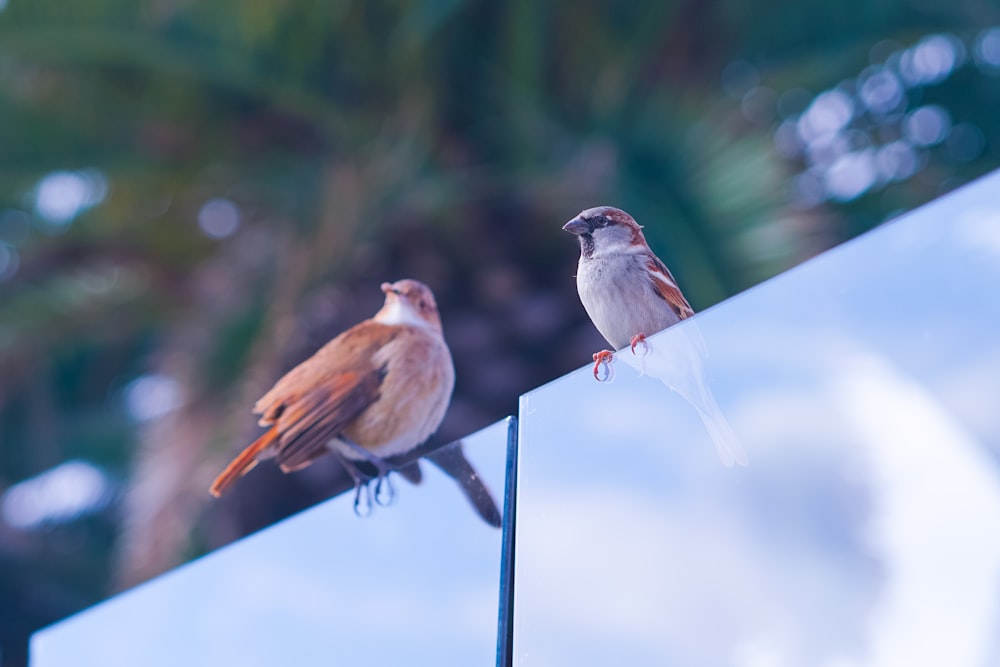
<point x="727" y="443"/>
<point x="451" y="459"/>
<point x="243" y="463"/>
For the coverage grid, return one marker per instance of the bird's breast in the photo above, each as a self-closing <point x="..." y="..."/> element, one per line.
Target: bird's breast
<point x="413" y="397"/>
<point x="619" y="298"/>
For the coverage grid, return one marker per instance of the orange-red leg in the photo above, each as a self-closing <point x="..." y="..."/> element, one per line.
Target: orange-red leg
<point x="603" y="358"/>
<point x="637" y="339"/>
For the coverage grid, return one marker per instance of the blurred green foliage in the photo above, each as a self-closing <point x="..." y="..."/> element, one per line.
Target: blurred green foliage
<point x="361" y="141"/>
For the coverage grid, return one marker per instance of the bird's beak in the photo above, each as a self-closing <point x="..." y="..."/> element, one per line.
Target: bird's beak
<point x="577" y="226"/>
<point x="388" y="287"/>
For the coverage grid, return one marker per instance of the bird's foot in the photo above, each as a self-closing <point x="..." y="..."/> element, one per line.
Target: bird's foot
<point x="364" y="502"/>
<point x="603" y="360"/>
<point x="386" y="497"/>
<point x="362" y="499"/>
<point x="640" y="339"/>
<point x="385" y="493"/>
<point x="362" y="493"/>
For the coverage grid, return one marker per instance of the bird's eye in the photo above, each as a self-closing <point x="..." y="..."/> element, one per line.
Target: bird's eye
<point x="603" y="221"/>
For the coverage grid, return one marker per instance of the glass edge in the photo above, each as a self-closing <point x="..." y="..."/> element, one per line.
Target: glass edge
<point x="505" y="611"/>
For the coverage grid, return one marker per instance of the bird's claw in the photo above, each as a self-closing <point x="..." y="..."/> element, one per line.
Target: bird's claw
<point x="362" y="500"/>
<point x="384" y="491"/>
<point x="603" y="360"/>
<point x="383" y="482"/>
<point x="640" y="339"/>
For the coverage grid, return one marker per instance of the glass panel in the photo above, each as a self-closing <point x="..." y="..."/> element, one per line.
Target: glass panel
<point x="411" y="584"/>
<point x="863" y="387"/>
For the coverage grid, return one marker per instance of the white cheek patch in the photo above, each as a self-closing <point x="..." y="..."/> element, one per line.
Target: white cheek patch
<point x="614" y="242"/>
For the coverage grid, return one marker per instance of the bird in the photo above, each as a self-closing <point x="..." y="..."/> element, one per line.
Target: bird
<point x="629" y="293"/>
<point x="377" y="390"/>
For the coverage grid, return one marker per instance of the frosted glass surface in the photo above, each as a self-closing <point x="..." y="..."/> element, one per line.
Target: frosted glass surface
<point x="864" y="387"/>
<point x="416" y="583"/>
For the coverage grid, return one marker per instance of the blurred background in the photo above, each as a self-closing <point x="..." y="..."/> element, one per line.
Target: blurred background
<point x="195" y="196"/>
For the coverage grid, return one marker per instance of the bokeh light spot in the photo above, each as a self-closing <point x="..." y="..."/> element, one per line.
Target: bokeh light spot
<point x="931" y="60"/>
<point x="151" y="396"/>
<point x="62" y="195"/>
<point x="896" y="161"/>
<point x="987" y="49"/>
<point x="830" y="112"/>
<point x="851" y="175"/>
<point x="826" y="148"/>
<point x="807" y="190"/>
<point x="880" y="90"/>
<point x="58" y="495"/>
<point x="927" y="125"/>
<point x="786" y="140"/>
<point x="219" y="218"/>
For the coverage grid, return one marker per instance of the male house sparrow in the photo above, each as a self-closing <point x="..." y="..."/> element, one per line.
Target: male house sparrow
<point x="377" y="390"/>
<point x="629" y="294"/>
<point x="625" y="289"/>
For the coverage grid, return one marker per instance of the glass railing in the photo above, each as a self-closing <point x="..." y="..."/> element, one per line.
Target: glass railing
<point x="411" y="583"/>
<point x="807" y="474"/>
<point x="863" y="388"/>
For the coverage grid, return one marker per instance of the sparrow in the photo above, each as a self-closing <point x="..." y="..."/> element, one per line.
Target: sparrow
<point x="377" y="390"/>
<point x="625" y="289"/>
<point x="629" y="293"/>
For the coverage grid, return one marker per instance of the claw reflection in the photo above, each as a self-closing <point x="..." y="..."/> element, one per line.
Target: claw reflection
<point x="603" y="361"/>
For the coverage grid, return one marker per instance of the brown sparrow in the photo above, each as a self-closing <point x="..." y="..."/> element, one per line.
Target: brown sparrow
<point x="377" y="390"/>
<point x="629" y="294"/>
<point x="625" y="289"/>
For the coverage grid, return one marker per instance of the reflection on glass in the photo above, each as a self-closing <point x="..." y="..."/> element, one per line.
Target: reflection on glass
<point x="681" y="367"/>
<point x="414" y="584"/>
<point x="863" y="386"/>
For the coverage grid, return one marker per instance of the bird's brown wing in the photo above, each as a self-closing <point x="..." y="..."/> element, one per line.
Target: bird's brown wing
<point x="665" y="286"/>
<point x="317" y="399"/>
<point x="325" y="412"/>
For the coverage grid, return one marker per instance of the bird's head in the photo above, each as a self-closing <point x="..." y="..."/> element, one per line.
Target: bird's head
<point x="409" y="302"/>
<point x="606" y="230"/>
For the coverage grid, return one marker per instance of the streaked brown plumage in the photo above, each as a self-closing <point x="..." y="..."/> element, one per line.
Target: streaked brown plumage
<point x="625" y="289"/>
